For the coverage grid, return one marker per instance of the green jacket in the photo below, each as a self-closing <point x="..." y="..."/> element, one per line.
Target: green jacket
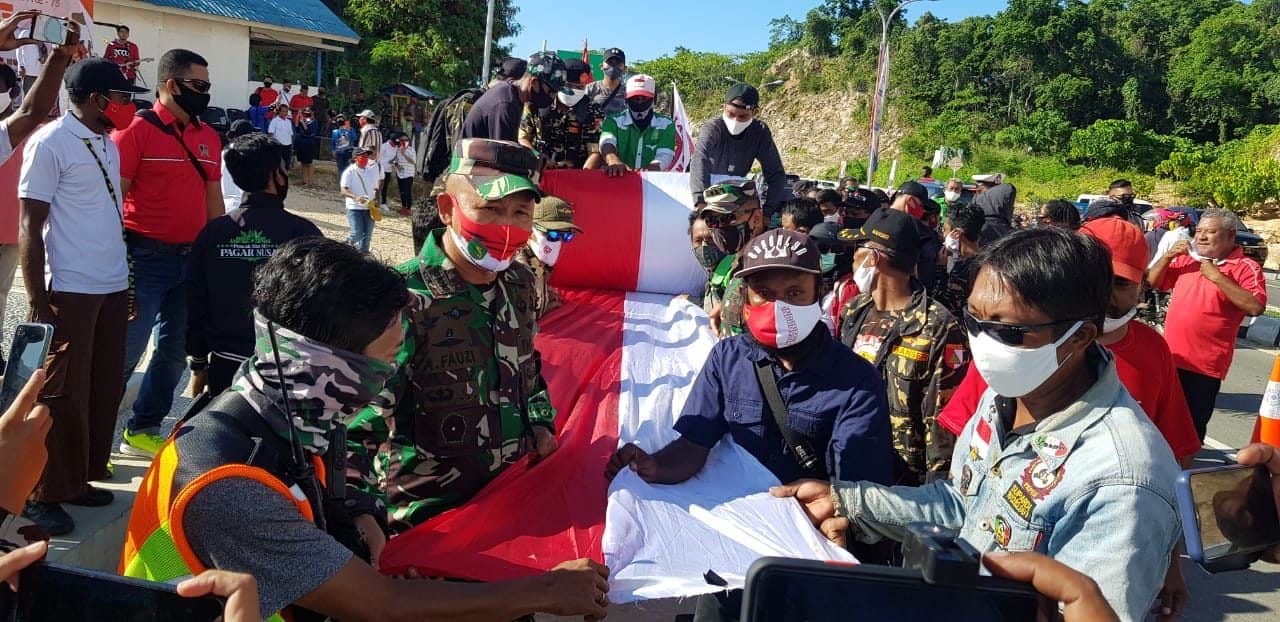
<point x="469" y="387"/>
<point x="638" y="147"/>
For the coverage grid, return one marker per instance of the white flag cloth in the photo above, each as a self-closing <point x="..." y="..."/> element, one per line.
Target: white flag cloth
<point x="684" y="134"/>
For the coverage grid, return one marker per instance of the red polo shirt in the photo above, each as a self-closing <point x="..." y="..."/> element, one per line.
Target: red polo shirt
<point x="269" y="96"/>
<point x="166" y="201"/>
<point x="300" y="101"/>
<point x="1201" y="324"/>
<point x="1145" y="368"/>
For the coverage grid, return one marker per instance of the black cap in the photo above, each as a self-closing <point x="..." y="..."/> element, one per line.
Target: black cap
<point x="615" y="53"/>
<point x="894" y="231"/>
<point x="98" y="75"/>
<point x="916" y="190"/>
<point x="779" y="248"/>
<point x="828" y="233"/>
<point x="745" y="93"/>
<point x="574" y="67"/>
<point x="240" y="127"/>
<point x="513" y="68"/>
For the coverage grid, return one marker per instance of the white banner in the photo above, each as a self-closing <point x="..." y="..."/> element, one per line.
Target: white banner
<point x="684" y="134"/>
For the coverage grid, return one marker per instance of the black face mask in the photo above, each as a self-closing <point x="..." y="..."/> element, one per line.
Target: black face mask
<point x="190" y="101"/>
<point x="709" y="256"/>
<point x="730" y="239"/>
<point x="641" y="111"/>
<point x="282" y="187"/>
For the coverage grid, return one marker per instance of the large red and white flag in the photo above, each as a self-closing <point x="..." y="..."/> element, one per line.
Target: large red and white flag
<point x="619" y="357"/>
<point x="684" y="133"/>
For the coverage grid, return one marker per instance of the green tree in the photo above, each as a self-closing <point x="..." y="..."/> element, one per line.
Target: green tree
<point x="784" y="31"/>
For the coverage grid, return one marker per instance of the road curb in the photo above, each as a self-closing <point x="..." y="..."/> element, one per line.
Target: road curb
<point x="1264" y="331"/>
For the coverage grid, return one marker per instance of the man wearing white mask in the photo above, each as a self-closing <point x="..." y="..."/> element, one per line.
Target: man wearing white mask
<point x="729" y="144"/>
<point x="832" y="403"/>
<point x="911" y="338"/>
<point x="568" y="132"/>
<point x="552" y="228"/>
<point x="1059" y="459"/>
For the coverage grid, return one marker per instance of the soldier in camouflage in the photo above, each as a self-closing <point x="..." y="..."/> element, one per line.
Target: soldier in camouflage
<point x="567" y="132"/>
<point x="734" y="217"/>
<point x="469" y="399"/>
<point x="912" y="339"/>
<point x="552" y="228"/>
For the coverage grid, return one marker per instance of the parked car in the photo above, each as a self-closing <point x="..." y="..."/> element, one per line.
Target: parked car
<point x="1250" y="243"/>
<point x="217" y="119"/>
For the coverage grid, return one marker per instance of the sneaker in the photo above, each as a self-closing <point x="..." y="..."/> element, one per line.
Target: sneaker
<point x="93" y="498"/>
<point x="49" y="517"/>
<point x="107" y="473"/>
<point x="141" y="444"/>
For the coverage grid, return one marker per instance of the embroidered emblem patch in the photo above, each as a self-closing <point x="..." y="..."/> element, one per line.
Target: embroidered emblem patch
<point x="1038" y="481"/>
<point x="1019" y="501"/>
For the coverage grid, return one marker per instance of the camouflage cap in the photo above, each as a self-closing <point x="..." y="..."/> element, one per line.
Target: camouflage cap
<point x="728" y="195"/>
<point x="496" y="168"/>
<point x="554" y="214"/>
<point x="548" y="67"/>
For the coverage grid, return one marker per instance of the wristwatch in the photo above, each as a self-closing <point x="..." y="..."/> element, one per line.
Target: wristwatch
<point x="197" y="364"/>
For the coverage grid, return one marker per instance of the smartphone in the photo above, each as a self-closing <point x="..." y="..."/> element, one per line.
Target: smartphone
<point x="26" y="355"/>
<point x="56" y="593"/>
<point x="1228" y="515"/>
<point x="50" y="29"/>
<point x="791" y="590"/>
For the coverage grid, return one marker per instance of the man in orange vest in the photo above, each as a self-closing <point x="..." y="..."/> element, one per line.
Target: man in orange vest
<point x="245" y="485"/>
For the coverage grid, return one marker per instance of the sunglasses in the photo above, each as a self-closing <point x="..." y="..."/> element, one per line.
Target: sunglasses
<point x="1004" y="332"/>
<point x="559" y="236"/>
<point x="199" y="86"/>
<point x="717" y="220"/>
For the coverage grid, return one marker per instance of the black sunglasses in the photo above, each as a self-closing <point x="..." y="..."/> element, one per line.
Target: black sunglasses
<point x="199" y="86"/>
<point x="1004" y="332"/>
<point x="717" y="220"/>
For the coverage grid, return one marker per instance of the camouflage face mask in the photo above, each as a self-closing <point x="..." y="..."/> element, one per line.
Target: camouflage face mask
<point x="324" y="385"/>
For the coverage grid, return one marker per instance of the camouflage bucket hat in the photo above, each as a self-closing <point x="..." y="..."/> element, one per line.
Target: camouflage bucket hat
<point x="554" y="214"/>
<point x="727" y="196"/>
<point x="548" y="67"/>
<point x="496" y="168"/>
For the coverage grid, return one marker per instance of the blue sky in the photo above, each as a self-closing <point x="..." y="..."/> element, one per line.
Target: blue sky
<point x="647" y="29"/>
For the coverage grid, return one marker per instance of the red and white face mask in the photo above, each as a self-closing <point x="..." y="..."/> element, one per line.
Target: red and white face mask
<point x="780" y="325"/>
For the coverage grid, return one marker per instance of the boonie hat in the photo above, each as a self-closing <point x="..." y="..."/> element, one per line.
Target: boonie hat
<point x="548" y="67"/>
<point x="728" y="195"/>
<point x="1127" y="245"/>
<point x="745" y="93"/>
<point x="554" y="214"/>
<point x="779" y="248"/>
<point x="98" y="75"/>
<point x="504" y="167"/>
<point x="641" y="85"/>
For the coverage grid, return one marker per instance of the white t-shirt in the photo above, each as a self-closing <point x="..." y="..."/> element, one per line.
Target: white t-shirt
<point x="385" y="155"/>
<point x="29" y="57"/>
<point x="83" y="237"/>
<point x="1170" y="237"/>
<point x="231" y="193"/>
<point x="361" y="181"/>
<point x="402" y="162"/>
<point x="282" y="130"/>
<point x="285" y="97"/>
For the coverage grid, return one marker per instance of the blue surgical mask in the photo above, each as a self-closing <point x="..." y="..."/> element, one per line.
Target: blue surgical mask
<point x="614" y="73"/>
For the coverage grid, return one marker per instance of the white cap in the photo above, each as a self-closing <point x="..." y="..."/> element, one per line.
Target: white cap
<point x="368" y="114"/>
<point x="641" y="84"/>
<point x="992" y="178"/>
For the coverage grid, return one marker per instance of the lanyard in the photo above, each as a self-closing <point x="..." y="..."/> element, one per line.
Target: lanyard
<point x="111" y="188"/>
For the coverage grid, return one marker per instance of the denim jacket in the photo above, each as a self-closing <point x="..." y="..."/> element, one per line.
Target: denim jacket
<point x="1090" y="486"/>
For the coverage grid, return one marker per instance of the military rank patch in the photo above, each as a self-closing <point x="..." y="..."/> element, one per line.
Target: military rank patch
<point x="909" y="354"/>
<point x="1019" y="501"/>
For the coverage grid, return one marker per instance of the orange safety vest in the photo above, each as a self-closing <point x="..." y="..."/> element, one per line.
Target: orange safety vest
<point x="156" y="547"/>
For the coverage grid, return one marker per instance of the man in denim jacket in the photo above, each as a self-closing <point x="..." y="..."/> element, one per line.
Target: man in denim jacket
<point x="1060" y="459"/>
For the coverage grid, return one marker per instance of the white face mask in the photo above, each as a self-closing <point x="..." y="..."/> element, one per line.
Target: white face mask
<point x="735" y="126"/>
<point x="951" y="196"/>
<point x="1013" y="371"/>
<point x="864" y="277"/>
<point x="832" y="218"/>
<point x="952" y="244"/>
<point x="573" y="99"/>
<point x="487" y="262"/>
<point x="1198" y="257"/>
<point x="546" y="251"/>
<point x="1112" y="324"/>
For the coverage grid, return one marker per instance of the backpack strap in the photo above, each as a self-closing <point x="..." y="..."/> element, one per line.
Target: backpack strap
<point x="811" y="462"/>
<point x="151" y="117"/>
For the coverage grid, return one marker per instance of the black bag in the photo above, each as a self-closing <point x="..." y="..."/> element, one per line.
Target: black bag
<point x="443" y="130"/>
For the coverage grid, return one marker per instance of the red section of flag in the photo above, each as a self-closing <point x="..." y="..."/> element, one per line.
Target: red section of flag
<point x="586" y="58"/>
<point x="610" y="212"/>
<point x="532" y="518"/>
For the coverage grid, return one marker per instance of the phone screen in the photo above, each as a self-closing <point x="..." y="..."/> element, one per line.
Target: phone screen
<point x="52" y="592"/>
<point x="30" y="346"/>
<point x="50" y="29"/>
<point x="1235" y="511"/>
<point x="841" y="594"/>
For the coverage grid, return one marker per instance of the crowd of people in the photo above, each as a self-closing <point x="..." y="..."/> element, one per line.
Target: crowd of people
<point x="904" y="357"/>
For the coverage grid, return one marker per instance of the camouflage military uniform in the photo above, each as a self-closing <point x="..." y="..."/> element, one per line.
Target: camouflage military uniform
<point x="469" y="388"/>
<point x="545" y="296"/>
<point x="566" y="136"/>
<point x="922" y="352"/>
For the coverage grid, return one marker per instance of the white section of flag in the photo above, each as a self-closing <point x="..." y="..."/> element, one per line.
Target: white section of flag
<point x="660" y="540"/>
<point x="684" y="133"/>
<point x="666" y="259"/>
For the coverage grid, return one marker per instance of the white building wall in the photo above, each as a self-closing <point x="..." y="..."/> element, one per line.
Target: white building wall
<point x="225" y="46"/>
